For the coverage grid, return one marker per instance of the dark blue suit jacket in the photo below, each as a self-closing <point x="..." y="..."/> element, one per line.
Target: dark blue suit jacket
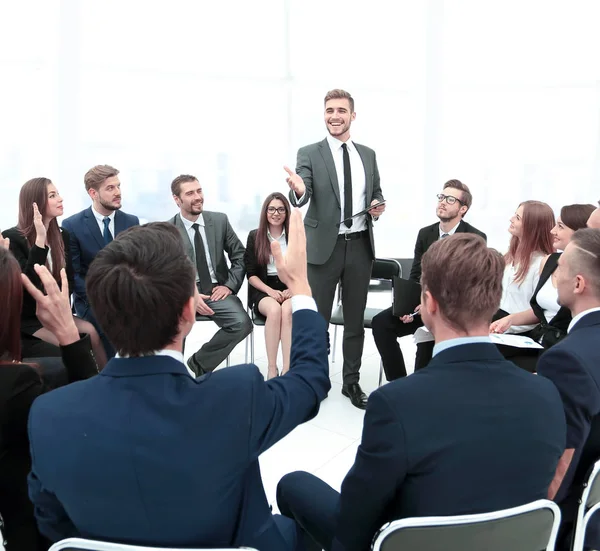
<point x="86" y="241"/>
<point x="470" y="433"/>
<point x="573" y="365"/>
<point x="145" y="454"/>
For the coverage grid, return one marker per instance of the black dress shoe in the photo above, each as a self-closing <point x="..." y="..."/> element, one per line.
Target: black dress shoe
<point x="356" y="395"/>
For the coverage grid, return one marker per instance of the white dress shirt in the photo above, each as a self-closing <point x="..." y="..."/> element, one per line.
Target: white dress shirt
<point x="578" y="317"/>
<point x="192" y="234"/>
<point x="271" y="269"/>
<point x="450" y="232"/>
<point x="359" y="183"/>
<point x="100" y="219"/>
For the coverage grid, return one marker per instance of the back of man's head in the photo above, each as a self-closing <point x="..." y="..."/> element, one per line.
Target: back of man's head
<point x="464" y="277"/>
<point x="138" y="286"/>
<point x="582" y="259"/>
<point x="594" y="219"/>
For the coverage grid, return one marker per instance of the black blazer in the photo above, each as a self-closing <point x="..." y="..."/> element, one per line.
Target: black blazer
<point x="28" y="256"/>
<point x="549" y="331"/>
<point x="253" y="268"/>
<point x="427" y="237"/>
<point x="20" y="385"/>
<point x="455" y="438"/>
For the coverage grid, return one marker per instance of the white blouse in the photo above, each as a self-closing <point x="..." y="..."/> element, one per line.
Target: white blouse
<point x="516" y="296"/>
<point x="547" y="298"/>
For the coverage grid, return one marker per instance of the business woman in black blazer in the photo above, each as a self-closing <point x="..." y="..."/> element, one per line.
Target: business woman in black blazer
<point x="20" y="385"/>
<point x="268" y="296"/>
<point x="552" y="319"/>
<point x="37" y="239"/>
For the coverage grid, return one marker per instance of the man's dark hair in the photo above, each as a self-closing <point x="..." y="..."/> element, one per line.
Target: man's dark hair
<point x="138" y="285"/>
<point x="182" y="179"/>
<point x="586" y="260"/>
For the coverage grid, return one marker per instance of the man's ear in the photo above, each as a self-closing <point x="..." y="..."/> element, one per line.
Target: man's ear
<point x="188" y="315"/>
<point x="428" y="302"/>
<point x="580" y="285"/>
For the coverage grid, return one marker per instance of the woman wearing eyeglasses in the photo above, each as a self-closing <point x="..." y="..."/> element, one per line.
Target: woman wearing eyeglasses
<point x="550" y="320"/>
<point x="268" y="296"/>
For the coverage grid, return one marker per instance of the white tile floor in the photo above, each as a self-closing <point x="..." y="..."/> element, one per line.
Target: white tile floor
<point x="325" y="446"/>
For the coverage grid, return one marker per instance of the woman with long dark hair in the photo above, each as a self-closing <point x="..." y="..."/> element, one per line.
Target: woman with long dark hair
<point x="38" y="239"/>
<point x="267" y="294"/>
<point x="21" y="384"/>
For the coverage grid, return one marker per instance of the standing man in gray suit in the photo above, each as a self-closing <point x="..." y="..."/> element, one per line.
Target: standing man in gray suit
<point x="207" y="236"/>
<point x="339" y="178"/>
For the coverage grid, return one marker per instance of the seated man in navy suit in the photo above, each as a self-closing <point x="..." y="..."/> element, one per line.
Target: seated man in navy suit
<point x="573" y="365"/>
<point x="147" y="454"/>
<point x="93" y="228"/>
<point x="469" y="433"/>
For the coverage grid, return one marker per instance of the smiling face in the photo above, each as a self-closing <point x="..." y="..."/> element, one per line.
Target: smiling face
<point x="276" y="213"/>
<point x="561" y="235"/>
<point x="190" y="199"/>
<point x="54" y="203"/>
<point x="516" y="222"/>
<point x="338" y="118"/>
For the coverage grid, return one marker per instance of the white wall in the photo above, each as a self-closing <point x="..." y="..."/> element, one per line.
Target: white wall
<point x="503" y="96"/>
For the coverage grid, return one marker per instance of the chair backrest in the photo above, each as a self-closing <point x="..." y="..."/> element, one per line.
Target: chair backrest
<point x="531" y="527"/>
<point x="79" y="544"/>
<point x="406" y="264"/>
<point x="386" y="268"/>
<point x="588" y="505"/>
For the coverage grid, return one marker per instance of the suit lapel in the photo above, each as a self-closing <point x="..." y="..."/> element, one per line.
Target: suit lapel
<point x="93" y="228"/>
<point x="462" y="227"/>
<point x="211" y="237"/>
<point x="433" y="236"/>
<point x="329" y="163"/>
<point x="367" y="168"/>
<point x="186" y="238"/>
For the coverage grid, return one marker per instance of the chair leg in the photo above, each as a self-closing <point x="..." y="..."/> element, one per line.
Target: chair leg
<point x="246" y="346"/>
<point x="380" y="373"/>
<point x="227" y="362"/>
<point x="252" y="346"/>
<point x="334" y="343"/>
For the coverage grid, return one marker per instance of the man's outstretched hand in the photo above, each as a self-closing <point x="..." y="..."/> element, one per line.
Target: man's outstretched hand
<point x="291" y="268"/>
<point x="295" y="182"/>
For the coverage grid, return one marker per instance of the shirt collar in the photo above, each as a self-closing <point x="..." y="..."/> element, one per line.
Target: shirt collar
<point x="280" y="238"/>
<point x="188" y="223"/>
<point x="444" y="345"/>
<point x="101" y="217"/>
<point x="176" y="355"/>
<point x="336" y="144"/>
<point x="451" y="232"/>
<point x="579" y="316"/>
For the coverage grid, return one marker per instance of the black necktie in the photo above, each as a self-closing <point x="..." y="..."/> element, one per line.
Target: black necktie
<point x="347" y="187"/>
<point x="201" y="265"/>
<point x="106" y="233"/>
<point x="444" y="235"/>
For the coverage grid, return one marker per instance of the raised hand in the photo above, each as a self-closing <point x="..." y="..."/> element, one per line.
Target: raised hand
<point x="295" y="182"/>
<point x="54" y="308"/>
<point x="40" y="229"/>
<point x="291" y="268"/>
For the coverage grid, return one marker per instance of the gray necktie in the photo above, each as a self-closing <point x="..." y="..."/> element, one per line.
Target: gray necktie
<point x="444" y="235"/>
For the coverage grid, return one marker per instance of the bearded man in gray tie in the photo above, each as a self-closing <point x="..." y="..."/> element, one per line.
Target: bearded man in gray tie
<point x="207" y="236"/>
<point x="339" y="178"/>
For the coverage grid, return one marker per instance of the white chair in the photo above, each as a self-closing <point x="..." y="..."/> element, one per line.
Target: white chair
<point x="531" y="527"/>
<point x="79" y="544"/>
<point x="2" y="542"/>
<point x="588" y="505"/>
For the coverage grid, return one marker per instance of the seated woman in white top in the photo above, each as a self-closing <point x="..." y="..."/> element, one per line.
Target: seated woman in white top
<point x="267" y="294"/>
<point x="547" y="319"/>
<point x="530" y="244"/>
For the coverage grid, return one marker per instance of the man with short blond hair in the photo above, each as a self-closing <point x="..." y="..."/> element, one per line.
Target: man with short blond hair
<point x="455" y="437"/>
<point x="93" y="228"/>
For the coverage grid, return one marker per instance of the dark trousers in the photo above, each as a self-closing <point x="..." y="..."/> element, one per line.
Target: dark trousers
<point x="351" y="263"/>
<point x="387" y="329"/>
<point x="235" y="326"/>
<point x="312" y="504"/>
<point x="84" y="311"/>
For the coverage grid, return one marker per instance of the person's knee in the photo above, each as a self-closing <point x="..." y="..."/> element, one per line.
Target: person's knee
<point x="286" y="487"/>
<point x="274" y="312"/>
<point x="286" y="311"/>
<point x="244" y="325"/>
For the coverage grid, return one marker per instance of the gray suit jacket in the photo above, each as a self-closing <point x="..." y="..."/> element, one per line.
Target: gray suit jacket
<point x="316" y="167"/>
<point x="221" y="239"/>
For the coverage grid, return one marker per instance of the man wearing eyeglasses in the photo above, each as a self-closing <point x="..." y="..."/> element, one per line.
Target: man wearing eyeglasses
<point x="453" y="203"/>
